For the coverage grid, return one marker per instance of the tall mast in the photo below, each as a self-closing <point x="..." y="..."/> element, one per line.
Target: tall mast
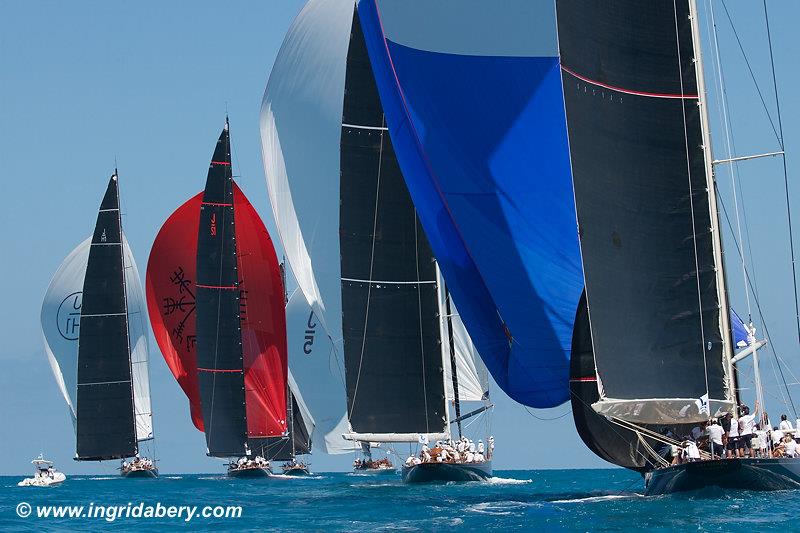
<point x="453" y="371"/>
<point x="716" y="235"/>
<point x="125" y="300"/>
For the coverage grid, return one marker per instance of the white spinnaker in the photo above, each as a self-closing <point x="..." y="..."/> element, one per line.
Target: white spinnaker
<point x="305" y="414"/>
<point x="60" y="319"/>
<point x="301" y="122"/>
<point x="319" y="374"/>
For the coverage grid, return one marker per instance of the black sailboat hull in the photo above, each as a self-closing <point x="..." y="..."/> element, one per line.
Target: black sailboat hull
<point x="141" y="474"/>
<point x="250" y="473"/>
<point x="297" y="471"/>
<point x="732" y="474"/>
<point x="429" y="472"/>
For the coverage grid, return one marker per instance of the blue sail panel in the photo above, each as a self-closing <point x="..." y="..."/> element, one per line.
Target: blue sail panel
<point x="481" y="140"/>
<point x="739" y="330"/>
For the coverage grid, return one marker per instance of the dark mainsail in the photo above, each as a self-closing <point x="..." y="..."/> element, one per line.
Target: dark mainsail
<point x="608" y="441"/>
<point x="219" y="341"/>
<point x="105" y="413"/>
<point x="644" y="207"/>
<point x="390" y="311"/>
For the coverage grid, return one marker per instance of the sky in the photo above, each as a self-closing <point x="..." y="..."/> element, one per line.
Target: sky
<point x="146" y="85"/>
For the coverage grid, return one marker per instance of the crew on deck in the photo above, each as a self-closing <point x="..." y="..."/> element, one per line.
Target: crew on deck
<point x="461" y="451"/>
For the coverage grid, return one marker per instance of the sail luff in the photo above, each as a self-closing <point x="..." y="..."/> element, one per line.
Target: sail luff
<point x="716" y="233"/>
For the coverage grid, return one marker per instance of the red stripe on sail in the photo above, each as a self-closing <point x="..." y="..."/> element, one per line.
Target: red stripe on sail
<point x="628" y="91"/>
<point x="224" y="287"/>
<point x="226" y="163"/>
<point x="219" y="370"/>
<point x="217" y="203"/>
<point x="584" y="380"/>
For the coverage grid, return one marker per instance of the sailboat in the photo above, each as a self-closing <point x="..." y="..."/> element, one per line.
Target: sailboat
<point x="352" y="235"/>
<point x="93" y="325"/>
<point x="216" y="303"/>
<point x="655" y="320"/>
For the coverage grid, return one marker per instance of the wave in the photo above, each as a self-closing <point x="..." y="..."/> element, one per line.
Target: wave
<point x="501" y="508"/>
<point x="508" y="481"/>
<point x="284" y="476"/>
<point x="603" y="498"/>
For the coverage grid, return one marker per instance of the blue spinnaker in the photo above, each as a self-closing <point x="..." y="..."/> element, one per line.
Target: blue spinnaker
<point x="474" y="104"/>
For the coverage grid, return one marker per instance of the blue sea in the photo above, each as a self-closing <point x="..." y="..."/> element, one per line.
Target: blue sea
<point x="542" y="500"/>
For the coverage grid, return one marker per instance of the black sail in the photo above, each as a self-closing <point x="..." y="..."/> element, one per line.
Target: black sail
<point x="634" y="125"/>
<point x="219" y="341"/>
<point x="390" y="311"/>
<point x="105" y="417"/>
<point x="607" y="440"/>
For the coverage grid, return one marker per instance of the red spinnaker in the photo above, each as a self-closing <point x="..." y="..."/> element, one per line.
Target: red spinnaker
<point x="171" y="274"/>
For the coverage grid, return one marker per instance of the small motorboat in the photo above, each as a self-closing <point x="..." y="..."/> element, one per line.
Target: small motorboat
<point x="45" y="475"/>
<point x="139" y="468"/>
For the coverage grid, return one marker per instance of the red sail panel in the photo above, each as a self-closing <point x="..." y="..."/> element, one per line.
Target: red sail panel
<point x="263" y="318"/>
<point x="171" y="274"/>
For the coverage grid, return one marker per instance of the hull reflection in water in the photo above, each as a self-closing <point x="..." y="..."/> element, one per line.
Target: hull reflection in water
<point x="735" y="474"/>
<point x="427" y="472"/>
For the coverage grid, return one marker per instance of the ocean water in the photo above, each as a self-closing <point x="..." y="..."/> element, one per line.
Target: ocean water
<point x="541" y="500"/>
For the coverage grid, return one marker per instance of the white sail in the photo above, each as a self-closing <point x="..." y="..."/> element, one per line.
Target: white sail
<point x="60" y="319"/>
<point x="318" y="373"/>
<point x="301" y="123"/>
<point x="305" y="414"/>
<point x="473" y="378"/>
<point x="137" y="332"/>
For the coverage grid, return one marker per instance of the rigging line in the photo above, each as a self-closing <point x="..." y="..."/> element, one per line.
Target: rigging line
<point x="729" y="148"/>
<point x="547" y="419"/>
<point x="758" y="308"/>
<point x="691" y="192"/>
<point x="371" y="265"/>
<point x="752" y="74"/>
<point x="785" y="171"/>
<point x="419" y="314"/>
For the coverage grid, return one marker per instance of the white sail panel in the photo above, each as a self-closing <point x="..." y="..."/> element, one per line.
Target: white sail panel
<point x="472" y="375"/>
<point x="305" y="414"/>
<point x="301" y="119"/>
<point x="319" y="374"/>
<point x="137" y="332"/>
<point x="60" y="317"/>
